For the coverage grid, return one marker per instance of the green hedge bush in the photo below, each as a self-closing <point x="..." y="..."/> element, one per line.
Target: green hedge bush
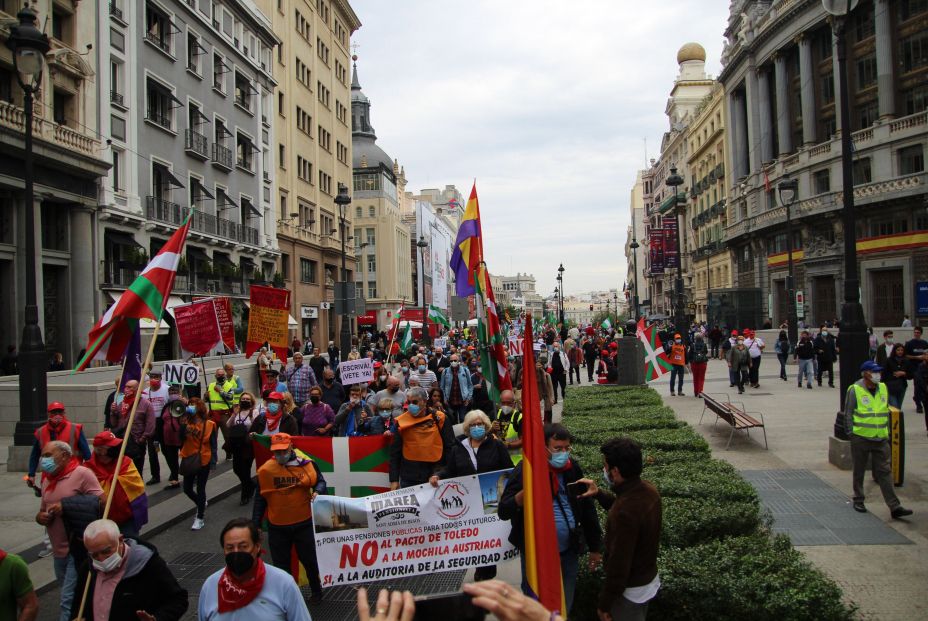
<point x="711" y="479"/>
<point x="692" y="521"/>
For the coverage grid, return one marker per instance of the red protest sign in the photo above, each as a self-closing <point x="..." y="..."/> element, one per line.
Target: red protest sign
<point x="268" y="320"/>
<point x="197" y="327"/>
<point x="224" y="315"/>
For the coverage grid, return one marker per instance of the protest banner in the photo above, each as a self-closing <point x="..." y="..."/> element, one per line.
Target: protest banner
<point x="412" y="531"/>
<point x="267" y="320"/>
<point x="182" y="374"/>
<point x="356" y="371"/>
<point x="440" y="341"/>
<point x="197" y="327"/>
<point x="224" y="316"/>
<point x="515" y="345"/>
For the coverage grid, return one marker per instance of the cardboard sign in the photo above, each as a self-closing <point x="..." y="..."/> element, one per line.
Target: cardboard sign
<point x="515" y="345"/>
<point x="184" y="374"/>
<point x="198" y="327"/>
<point x="356" y="371"/>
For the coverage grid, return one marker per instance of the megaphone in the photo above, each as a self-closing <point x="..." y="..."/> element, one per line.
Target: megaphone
<point x="177" y="408"/>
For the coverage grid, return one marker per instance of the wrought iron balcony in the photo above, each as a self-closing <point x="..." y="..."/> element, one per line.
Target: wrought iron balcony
<point x="196" y="144"/>
<point x="222" y="156"/>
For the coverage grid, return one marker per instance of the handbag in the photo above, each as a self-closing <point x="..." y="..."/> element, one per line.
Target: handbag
<point x="191" y="464"/>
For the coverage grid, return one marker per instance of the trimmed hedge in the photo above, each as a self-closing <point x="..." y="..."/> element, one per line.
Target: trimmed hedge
<point x="692" y="521"/>
<point x="710" y="480"/>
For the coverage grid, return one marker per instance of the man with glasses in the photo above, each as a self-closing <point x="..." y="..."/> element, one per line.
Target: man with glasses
<point x="574" y="518"/>
<point x="423" y="439"/>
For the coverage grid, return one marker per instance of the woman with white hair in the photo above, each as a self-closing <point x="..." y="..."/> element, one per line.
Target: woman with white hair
<point x="475" y="451"/>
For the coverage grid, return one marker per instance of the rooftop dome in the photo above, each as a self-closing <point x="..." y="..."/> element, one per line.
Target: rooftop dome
<point x="691" y="51"/>
<point x="365" y="150"/>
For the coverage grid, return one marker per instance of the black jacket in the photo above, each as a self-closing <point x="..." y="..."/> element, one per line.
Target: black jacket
<point x="491" y="455"/>
<point x="584" y="510"/>
<point x="804" y="350"/>
<point x="895" y="384"/>
<point x="334" y="395"/>
<point x="826" y="348"/>
<point x="151" y="588"/>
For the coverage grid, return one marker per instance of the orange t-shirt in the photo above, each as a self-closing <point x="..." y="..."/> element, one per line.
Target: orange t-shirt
<point x="288" y="491"/>
<point x="678" y="355"/>
<point x="198" y="439"/>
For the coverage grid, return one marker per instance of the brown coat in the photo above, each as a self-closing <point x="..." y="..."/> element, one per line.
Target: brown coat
<point x="545" y="389"/>
<point x="633" y="530"/>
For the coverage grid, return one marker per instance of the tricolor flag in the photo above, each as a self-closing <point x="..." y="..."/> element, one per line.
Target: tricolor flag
<point x="493" y="361"/>
<point x="436" y="316"/>
<point x="129" y="500"/>
<point x="655" y="359"/>
<point x="468" y="247"/>
<point x="542" y="556"/>
<point x="144" y="299"/>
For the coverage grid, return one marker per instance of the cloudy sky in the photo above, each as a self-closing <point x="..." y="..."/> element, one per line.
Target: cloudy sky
<point x="546" y="104"/>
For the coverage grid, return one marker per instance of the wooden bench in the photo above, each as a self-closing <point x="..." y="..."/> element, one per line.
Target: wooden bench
<point x="733" y="413"/>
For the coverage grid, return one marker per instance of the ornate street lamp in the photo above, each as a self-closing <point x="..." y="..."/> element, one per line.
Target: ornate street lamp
<point x="634" y="246"/>
<point x="422" y="245"/>
<point x="343" y="200"/>
<point x="29" y="46"/>
<point x="788" y="189"/>
<point x="679" y="320"/>
<point x="560" y="282"/>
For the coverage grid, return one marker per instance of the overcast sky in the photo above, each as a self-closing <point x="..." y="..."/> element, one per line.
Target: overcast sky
<point x="547" y="104"/>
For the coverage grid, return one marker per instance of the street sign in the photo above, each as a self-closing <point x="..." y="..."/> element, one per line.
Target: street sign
<point x="800" y="305"/>
<point x="345" y="298"/>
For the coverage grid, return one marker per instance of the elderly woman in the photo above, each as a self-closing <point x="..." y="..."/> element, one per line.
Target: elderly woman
<point x="316" y="415"/>
<point x="473" y="453"/>
<point x="382" y="423"/>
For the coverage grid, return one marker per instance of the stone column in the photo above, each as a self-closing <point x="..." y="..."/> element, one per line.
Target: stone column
<point x="807" y="85"/>
<point x="784" y="133"/>
<point x="752" y="97"/>
<point x="742" y="135"/>
<point x="884" y="60"/>
<point x="736" y="135"/>
<point x="765" y="121"/>
<point x="82" y="277"/>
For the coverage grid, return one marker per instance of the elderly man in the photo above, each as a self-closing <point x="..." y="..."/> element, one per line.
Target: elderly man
<point x="143" y="425"/>
<point x="394" y="394"/>
<point x="247" y="588"/>
<point x="422" y="440"/>
<point x="300" y="378"/>
<point x="457" y="389"/>
<point x="69" y="492"/>
<point x="157" y="393"/>
<point x="128" y="579"/>
<point x="58" y="427"/>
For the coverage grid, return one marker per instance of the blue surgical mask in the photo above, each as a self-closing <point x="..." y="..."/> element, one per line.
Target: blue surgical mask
<point x="422" y="368"/>
<point x="273" y="408"/>
<point x="48" y="465"/>
<point x="558" y="460"/>
<point x="414" y="408"/>
<point x="191" y="410"/>
<point x="606" y="477"/>
<point x="477" y="433"/>
<point x="385" y="413"/>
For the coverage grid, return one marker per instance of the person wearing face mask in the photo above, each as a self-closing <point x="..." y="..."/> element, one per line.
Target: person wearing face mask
<point x="273" y="419"/>
<point x="288" y="484"/>
<point x="240" y="424"/>
<point x="425" y="377"/>
<point x="895" y="376"/>
<point x="739" y="360"/>
<point x="333" y="392"/>
<point x="317" y="417"/>
<point x="221" y="397"/>
<point x="157" y="393"/>
<point x="474" y="452"/>
<point x="247" y="588"/>
<point x="404" y="373"/>
<point x="457" y="389"/>
<point x="804" y="353"/>
<point x="143" y="424"/>
<point x="354" y="417"/>
<point x="128" y="579"/>
<point x="392" y="392"/>
<point x="677" y="358"/>
<point x="58" y="427"/>
<point x="130" y="502"/>
<point x="559" y="365"/>
<point x="380" y="378"/>
<point x="383" y="423"/>
<point x="419" y="448"/>
<point x="755" y="346"/>
<point x="171" y="439"/>
<point x="699" y="360"/>
<point x="507" y="426"/>
<point x="885" y="350"/>
<point x="575" y="518"/>
<point x="866" y="421"/>
<point x="199" y="434"/>
<point x="826" y="351"/>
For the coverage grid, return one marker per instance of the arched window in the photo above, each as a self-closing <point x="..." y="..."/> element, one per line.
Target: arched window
<point x="357" y="212"/>
<point x="373" y="211"/>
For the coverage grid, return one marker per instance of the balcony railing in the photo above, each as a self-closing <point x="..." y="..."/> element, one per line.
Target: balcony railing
<point x="162" y="119"/>
<point x="117" y="98"/>
<point x="172" y="213"/>
<point x="117" y="275"/>
<point x="196" y="144"/>
<point x="222" y="156"/>
<point x="162" y="210"/>
<point x="115" y="11"/>
<point x="162" y="43"/>
<point x="13" y="117"/>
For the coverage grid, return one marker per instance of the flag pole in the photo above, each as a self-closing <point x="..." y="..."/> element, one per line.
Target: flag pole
<point x="393" y="338"/>
<point x="122" y="452"/>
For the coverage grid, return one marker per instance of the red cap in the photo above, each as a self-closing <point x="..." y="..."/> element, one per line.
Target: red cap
<point x="106" y="438"/>
<point x="605" y="352"/>
<point x="275" y="396"/>
<point x="734" y="333"/>
<point x="613" y="345"/>
<point x="55" y="405"/>
<point x="377" y="365"/>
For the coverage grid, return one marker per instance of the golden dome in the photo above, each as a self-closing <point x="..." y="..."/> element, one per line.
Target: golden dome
<point x="691" y="51"/>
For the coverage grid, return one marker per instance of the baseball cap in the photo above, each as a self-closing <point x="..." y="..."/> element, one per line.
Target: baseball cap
<point x="55" y="405"/>
<point x="106" y="438"/>
<point x="275" y="396"/>
<point x="871" y="366"/>
<point x="734" y="333"/>
<point x="280" y="441"/>
<point x="377" y="365"/>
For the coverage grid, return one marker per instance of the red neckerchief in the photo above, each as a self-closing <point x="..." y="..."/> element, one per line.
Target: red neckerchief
<point x="273" y="420"/>
<point x="57" y="429"/>
<point x="234" y="594"/>
<point x="51" y="480"/>
<point x="555" y="481"/>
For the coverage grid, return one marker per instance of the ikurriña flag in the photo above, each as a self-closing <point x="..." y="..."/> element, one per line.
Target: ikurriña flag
<point x="655" y="358"/>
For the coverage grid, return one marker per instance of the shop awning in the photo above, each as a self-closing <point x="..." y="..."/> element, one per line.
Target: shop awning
<point x="222" y="259"/>
<point x="292" y="322"/>
<point x="197" y="253"/>
<point x="122" y="239"/>
<point x="146" y="324"/>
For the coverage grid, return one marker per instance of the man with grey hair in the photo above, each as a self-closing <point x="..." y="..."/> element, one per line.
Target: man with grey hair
<point x="423" y="438"/>
<point x="69" y="491"/>
<point x="394" y="394"/>
<point x="128" y="579"/>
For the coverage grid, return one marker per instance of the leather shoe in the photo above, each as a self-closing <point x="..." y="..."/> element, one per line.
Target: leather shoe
<point x="859" y="507"/>
<point x="900" y="512"/>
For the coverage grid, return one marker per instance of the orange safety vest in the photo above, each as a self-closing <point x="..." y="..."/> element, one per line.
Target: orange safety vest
<point x="193" y="442"/>
<point x="70" y="434"/>
<point x="288" y="491"/>
<point x="678" y="355"/>
<point x="422" y="439"/>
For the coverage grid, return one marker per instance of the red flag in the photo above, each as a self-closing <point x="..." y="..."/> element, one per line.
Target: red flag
<point x="268" y="320"/>
<point x="224" y="315"/>
<point x="197" y="327"/>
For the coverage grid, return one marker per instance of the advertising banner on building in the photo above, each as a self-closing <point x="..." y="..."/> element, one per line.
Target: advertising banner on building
<point x="671" y="260"/>
<point x="657" y="251"/>
<point x="268" y="320"/>
<point x="412" y="531"/>
<point x="198" y="327"/>
<point x="436" y="256"/>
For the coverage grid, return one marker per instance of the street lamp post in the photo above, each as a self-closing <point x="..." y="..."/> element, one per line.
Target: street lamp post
<point x="560" y="282"/>
<point x="29" y="46"/>
<point x="788" y="188"/>
<point x="675" y="181"/>
<point x="422" y="245"/>
<point x="615" y="300"/>
<point x="634" y="246"/>
<point x="852" y="338"/>
<point x="343" y="200"/>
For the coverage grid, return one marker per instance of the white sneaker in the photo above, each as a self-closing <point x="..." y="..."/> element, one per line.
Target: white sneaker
<point x="198" y="524"/>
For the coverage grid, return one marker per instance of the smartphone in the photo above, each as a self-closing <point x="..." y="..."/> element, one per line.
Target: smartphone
<point x="577" y="488"/>
<point x="448" y="607"/>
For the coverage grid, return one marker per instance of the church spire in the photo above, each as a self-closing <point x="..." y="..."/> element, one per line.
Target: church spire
<point x="360" y="107"/>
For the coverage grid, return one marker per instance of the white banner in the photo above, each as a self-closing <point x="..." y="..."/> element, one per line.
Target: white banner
<point x="515" y="345"/>
<point x="412" y="531"/>
<point x="181" y="373"/>
<point x="356" y="371"/>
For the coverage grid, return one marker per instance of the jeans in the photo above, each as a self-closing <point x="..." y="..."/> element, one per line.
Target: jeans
<point x="570" y="375"/>
<point x="782" y="358"/>
<point x="626" y="610"/>
<point x="896" y="399"/>
<point x="198" y="498"/>
<point x="280" y="539"/>
<point x="713" y="349"/>
<point x="806" y="368"/>
<point x="676" y="372"/>
<point x="878" y="452"/>
<point x="754" y="372"/>
<point x="66" y="575"/>
<point x="570" y="564"/>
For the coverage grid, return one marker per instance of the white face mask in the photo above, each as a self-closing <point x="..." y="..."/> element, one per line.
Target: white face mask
<point x="108" y="564"/>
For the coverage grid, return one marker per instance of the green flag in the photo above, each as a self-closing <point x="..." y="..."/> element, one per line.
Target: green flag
<point x="606" y="325"/>
<point x="436" y="316"/>
<point x="406" y="341"/>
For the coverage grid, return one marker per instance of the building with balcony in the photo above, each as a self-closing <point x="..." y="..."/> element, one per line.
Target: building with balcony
<point x="69" y="158"/>
<point x="188" y="119"/>
<point x="311" y="156"/>
<point x="780" y="84"/>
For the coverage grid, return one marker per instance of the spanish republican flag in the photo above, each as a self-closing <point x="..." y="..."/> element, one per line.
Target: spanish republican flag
<point x="542" y="556"/>
<point x="130" y="502"/>
<point x="468" y="247"/>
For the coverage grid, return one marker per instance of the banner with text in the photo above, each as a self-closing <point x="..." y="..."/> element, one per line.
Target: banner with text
<point x="412" y="531"/>
<point x="268" y="320"/>
<point x="197" y="327"/>
<point x="181" y="374"/>
<point x="224" y="315"/>
<point x="356" y="371"/>
<point x="671" y="260"/>
<point x="516" y="343"/>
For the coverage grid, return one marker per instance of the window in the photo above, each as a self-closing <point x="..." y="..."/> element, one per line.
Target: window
<point x="911" y="160"/>
<point x="326" y="223"/>
<point x="309" y="271"/>
<point x="828" y="88"/>
<point x="325" y="182"/>
<point x="915" y="100"/>
<point x="63" y="25"/>
<point x="914" y="51"/>
<point x="370" y="236"/>
<point x="341" y="152"/>
<point x="341" y="74"/>
<point x="372" y="211"/>
<point x="243" y="92"/>
<point x="341" y="34"/>
<point x="116" y="84"/>
<point x="322" y="51"/>
<point x="322" y="94"/>
<point x="862" y="173"/>
<point x="282" y="156"/>
<point x="866" y="70"/>
<point x="821" y="181"/>
<point x="117" y="40"/>
<point x="158" y="27"/>
<point x="304" y="74"/>
<point x="325" y="138"/>
<point x="219" y="72"/>
<point x="910" y="8"/>
<point x="302" y="25"/>
<point x="867" y="113"/>
<point x="160" y="105"/>
<point x="118" y="127"/>
<point x="371" y="263"/>
<point x="357" y="212"/>
<point x="116" y="172"/>
<point x="341" y="112"/>
<point x="285" y="266"/>
<point x="194" y="50"/>
<point x="304" y="121"/>
<point x="864" y="25"/>
<point x="244" y="152"/>
<point x="371" y="290"/>
<point x="745" y="259"/>
<point x="304" y="169"/>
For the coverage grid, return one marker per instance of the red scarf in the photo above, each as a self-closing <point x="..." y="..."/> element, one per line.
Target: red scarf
<point x="555" y="480"/>
<point x="234" y="594"/>
<point x="273" y="421"/>
<point x="51" y="480"/>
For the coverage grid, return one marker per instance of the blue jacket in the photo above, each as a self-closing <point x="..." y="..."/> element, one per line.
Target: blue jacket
<point x="467" y="388"/>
